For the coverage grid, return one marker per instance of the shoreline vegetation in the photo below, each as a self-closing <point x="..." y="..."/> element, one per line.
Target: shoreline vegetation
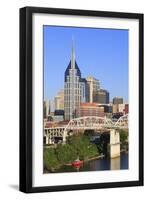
<point x="89" y="159"/>
<point x="78" y="146"/>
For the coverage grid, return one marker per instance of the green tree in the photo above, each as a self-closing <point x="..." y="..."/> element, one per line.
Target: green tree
<point x="123" y="140"/>
<point x="123" y="136"/>
<point x="66" y="153"/>
<point x="92" y="150"/>
<point x="83" y="146"/>
<point x="50" y="160"/>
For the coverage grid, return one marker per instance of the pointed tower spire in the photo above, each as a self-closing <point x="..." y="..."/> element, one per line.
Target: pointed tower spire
<point x="73" y="55"/>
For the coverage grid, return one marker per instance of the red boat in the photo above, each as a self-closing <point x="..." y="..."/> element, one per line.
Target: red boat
<point x="77" y="163"/>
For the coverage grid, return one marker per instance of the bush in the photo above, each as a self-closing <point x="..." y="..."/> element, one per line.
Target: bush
<point x="50" y="159"/>
<point x="92" y="150"/>
<point x="83" y="146"/>
<point x="66" y="153"/>
<point x="77" y="146"/>
<point x="123" y="136"/>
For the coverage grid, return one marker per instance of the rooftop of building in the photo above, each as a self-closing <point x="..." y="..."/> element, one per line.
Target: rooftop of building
<point x="70" y="67"/>
<point x="91" y="78"/>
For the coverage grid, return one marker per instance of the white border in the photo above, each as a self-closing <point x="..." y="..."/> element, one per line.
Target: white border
<point x="40" y="179"/>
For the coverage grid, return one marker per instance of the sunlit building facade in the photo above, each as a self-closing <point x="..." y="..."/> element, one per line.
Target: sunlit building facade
<point x="117" y="100"/>
<point x="59" y="100"/>
<point x="46" y="108"/>
<point x="93" y="86"/>
<point x="101" y="96"/>
<point x="74" y="88"/>
<point x="89" y="109"/>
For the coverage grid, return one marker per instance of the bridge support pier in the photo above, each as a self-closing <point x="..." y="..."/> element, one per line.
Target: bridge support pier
<point x="115" y="163"/>
<point x="64" y="137"/>
<point x="114" y="143"/>
<point x="50" y="141"/>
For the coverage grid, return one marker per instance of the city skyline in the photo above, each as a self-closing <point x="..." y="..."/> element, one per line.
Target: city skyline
<point x="57" y="57"/>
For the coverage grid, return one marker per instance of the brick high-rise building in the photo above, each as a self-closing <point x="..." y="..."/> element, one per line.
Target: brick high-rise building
<point x="89" y="109"/>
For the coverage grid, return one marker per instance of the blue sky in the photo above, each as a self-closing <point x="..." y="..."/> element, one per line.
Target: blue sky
<point x="102" y="53"/>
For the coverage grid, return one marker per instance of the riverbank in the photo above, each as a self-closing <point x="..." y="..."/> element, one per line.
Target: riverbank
<point x="106" y="163"/>
<point x="124" y="151"/>
<point x="88" y="159"/>
<point x="79" y="146"/>
<point x="94" y="158"/>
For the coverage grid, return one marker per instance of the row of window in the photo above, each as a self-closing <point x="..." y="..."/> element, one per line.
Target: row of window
<point x="70" y="90"/>
<point x="71" y="86"/>
<point x="69" y="100"/>
<point x="72" y="78"/>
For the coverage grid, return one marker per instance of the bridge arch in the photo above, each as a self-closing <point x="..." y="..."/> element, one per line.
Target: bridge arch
<point x="122" y="122"/>
<point x="89" y="122"/>
<point x="94" y="122"/>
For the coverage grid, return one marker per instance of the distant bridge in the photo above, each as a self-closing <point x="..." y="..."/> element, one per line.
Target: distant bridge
<point x="88" y="123"/>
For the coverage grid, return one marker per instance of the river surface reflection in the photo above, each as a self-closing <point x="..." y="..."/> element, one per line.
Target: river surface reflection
<point x="119" y="163"/>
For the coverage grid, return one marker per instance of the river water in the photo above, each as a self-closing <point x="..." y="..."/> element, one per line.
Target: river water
<point x="119" y="163"/>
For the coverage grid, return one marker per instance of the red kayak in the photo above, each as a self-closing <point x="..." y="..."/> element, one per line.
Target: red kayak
<point x="77" y="163"/>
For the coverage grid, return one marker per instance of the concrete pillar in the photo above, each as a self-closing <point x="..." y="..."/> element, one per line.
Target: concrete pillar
<point x="64" y="136"/>
<point x="46" y="137"/>
<point x="114" y="143"/>
<point x="50" y="141"/>
<point x="115" y="163"/>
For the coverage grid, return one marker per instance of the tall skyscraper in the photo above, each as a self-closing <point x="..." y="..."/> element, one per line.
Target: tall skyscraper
<point x="93" y="85"/>
<point x="74" y="88"/>
<point x="79" y="90"/>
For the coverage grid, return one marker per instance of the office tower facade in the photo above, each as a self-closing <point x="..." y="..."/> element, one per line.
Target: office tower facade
<point x="126" y="110"/>
<point x="101" y="96"/>
<point x="73" y="88"/>
<point x="117" y="100"/>
<point x="46" y="108"/>
<point x="115" y="108"/>
<point x="121" y="107"/>
<point x="93" y="86"/>
<point x="84" y="90"/>
<point x="58" y="115"/>
<point x="59" y="100"/>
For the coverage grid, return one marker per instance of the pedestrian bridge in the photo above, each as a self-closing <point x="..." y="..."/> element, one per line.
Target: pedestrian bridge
<point x="98" y="123"/>
<point x="90" y="123"/>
